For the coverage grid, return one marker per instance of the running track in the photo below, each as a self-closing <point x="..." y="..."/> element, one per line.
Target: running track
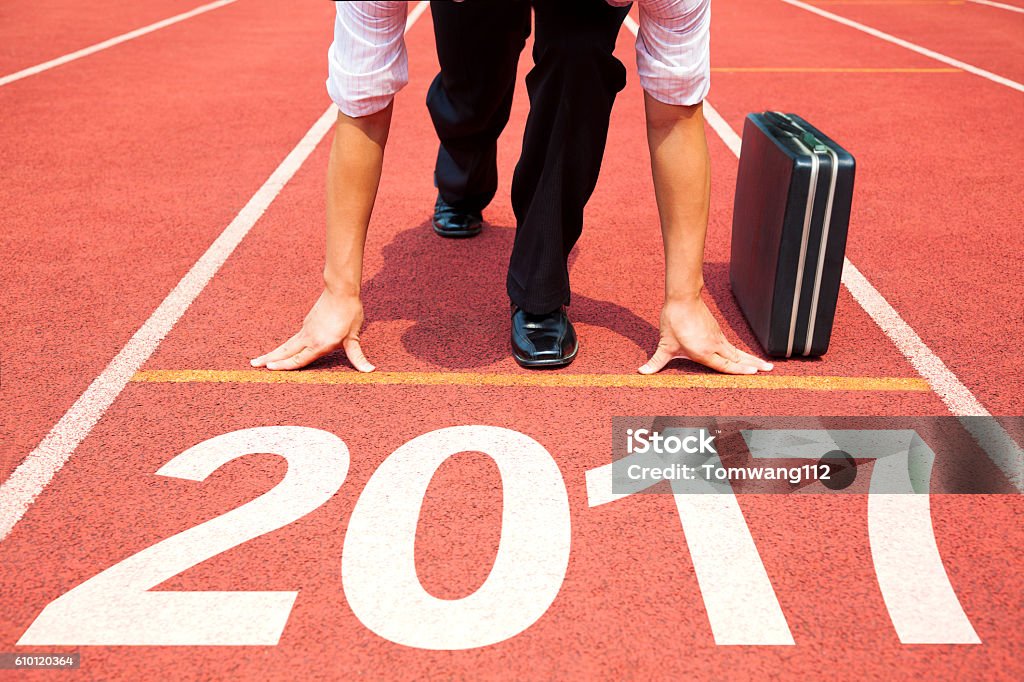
<point x="121" y="168"/>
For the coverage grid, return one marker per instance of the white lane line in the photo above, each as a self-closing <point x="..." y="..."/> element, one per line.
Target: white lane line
<point x="991" y="436"/>
<point x="995" y="78"/>
<point x="419" y="9"/>
<point x="36" y="471"/>
<point x="27" y="481"/>
<point x="1000" y="5"/>
<point x="957" y="397"/>
<point x="1004" y="451"/>
<point x="117" y="40"/>
<point x="729" y="136"/>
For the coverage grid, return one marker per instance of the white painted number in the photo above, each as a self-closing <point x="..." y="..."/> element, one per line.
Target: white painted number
<point x="117" y="607"/>
<point x="915" y="587"/>
<point x="741" y="604"/>
<point x="379" y="566"/>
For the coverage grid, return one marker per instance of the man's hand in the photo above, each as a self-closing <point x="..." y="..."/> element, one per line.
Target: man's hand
<point x="690" y="331"/>
<point x="334" y="321"/>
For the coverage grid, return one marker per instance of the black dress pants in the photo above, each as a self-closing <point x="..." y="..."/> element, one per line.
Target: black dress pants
<point x="572" y="87"/>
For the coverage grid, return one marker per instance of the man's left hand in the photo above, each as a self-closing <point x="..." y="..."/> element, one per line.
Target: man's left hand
<point x="690" y="331"/>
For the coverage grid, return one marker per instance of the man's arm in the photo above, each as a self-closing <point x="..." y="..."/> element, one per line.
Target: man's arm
<point x="681" y="168"/>
<point x="367" y="66"/>
<point x="353" y="176"/>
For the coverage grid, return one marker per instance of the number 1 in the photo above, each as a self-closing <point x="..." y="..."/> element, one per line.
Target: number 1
<point x="740" y="601"/>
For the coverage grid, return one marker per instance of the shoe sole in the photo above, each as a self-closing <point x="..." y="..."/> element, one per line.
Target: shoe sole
<point x="458" y="234"/>
<point x="546" y="364"/>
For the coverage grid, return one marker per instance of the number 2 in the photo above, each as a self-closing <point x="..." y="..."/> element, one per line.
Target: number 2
<point x="117" y="607"/>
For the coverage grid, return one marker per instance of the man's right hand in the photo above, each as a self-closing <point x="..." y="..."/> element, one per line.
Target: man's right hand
<point x="334" y="321"/>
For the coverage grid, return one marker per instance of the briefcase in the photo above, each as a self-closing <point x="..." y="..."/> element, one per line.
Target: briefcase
<point x="789" y="225"/>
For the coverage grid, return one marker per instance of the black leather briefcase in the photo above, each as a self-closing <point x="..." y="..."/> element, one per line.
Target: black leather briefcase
<point x="789" y="225"/>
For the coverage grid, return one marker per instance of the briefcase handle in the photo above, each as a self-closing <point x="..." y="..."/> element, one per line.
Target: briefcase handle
<point x="787" y="126"/>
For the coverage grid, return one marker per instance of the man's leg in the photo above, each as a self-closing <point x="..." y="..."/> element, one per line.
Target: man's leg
<point x="478" y="46"/>
<point x="572" y="87"/>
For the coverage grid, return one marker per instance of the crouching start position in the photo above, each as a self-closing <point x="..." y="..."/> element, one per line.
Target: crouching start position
<point x="572" y="87"/>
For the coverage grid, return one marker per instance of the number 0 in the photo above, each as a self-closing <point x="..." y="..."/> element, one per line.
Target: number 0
<point x="379" y="566"/>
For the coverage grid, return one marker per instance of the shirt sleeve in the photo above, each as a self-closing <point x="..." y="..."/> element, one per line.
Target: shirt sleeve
<point x="673" y="50"/>
<point x="367" y="62"/>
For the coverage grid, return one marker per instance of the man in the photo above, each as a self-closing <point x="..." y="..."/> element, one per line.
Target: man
<point x="572" y="87"/>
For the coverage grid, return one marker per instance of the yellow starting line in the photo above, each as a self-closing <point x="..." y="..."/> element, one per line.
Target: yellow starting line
<point x="833" y="69"/>
<point x="551" y="380"/>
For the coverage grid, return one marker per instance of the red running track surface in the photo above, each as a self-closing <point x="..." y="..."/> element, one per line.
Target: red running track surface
<point x="127" y="182"/>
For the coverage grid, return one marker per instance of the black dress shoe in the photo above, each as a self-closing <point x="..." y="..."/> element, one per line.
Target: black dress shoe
<point x="454" y="222"/>
<point x="543" y="341"/>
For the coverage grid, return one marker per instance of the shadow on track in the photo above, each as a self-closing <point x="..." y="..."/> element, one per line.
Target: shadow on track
<point x="454" y="292"/>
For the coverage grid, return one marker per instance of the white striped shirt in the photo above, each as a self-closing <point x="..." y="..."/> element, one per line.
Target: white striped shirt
<point x="368" y="62"/>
